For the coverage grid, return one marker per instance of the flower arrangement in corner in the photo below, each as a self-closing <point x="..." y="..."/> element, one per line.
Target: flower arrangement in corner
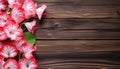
<point x="17" y="40"/>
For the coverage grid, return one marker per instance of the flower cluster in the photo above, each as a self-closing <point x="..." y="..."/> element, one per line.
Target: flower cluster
<point x="17" y="26"/>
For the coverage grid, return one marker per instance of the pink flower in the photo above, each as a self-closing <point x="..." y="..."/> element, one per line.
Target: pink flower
<point x="31" y="26"/>
<point x="3" y="5"/>
<point x="12" y="30"/>
<point x="11" y="64"/>
<point x="13" y="2"/>
<point x="27" y="50"/>
<point x="1" y="62"/>
<point x="29" y="7"/>
<point x="17" y="14"/>
<point x="19" y="42"/>
<point x="8" y="50"/>
<point x="40" y="11"/>
<point x="3" y="19"/>
<point x="3" y="35"/>
<point x="1" y="44"/>
<point x="2" y="0"/>
<point x="27" y="63"/>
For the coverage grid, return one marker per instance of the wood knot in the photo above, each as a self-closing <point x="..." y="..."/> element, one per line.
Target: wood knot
<point x="118" y="12"/>
<point x="57" y="24"/>
<point x="50" y="68"/>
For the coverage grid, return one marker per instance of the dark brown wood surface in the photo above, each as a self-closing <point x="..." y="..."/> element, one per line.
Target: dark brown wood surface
<point x="79" y="34"/>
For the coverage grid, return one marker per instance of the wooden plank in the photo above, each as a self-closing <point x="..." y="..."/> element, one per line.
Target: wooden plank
<point x="75" y="10"/>
<point x="65" y="24"/>
<point x="77" y="64"/>
<point x="83" y="2"/>
<point x="85" y="54"/>
<point x="95" y="60"/>
<point x="77" y="34"/>
<point x="71" y="46"/>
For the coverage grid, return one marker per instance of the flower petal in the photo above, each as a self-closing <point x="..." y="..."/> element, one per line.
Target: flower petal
<point x="12" y="30"/>
<point x="8" y="50"/>
<point x="3" y="35"/>
<point x="27" y="50"/>
<point x="19" y="42"/>
<point x="31" y="26"/>
<point x="3" y="19"/>
<point x="1" y="44"/>
<point x="13" y="2"/>
<point x="3" y="5"/>
<point x="28" y="63"/>
<point x="1" y="62"/>
<point x="40" y="11"/>
<point x="11" y="64"/>
<point x="17" y="14"/>
<point x="29" y="7"/>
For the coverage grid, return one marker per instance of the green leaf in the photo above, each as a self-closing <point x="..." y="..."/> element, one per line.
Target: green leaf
<point x="30" y="37"/>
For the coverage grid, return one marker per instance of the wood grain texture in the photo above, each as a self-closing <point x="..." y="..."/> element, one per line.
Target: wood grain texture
<point x="79" y="24"/>
<point x="71" y="46"/>
<point x="85" y="54"/>
<point x="78" y="11"/>
<point x="82" y="9"/>
<point x="79" y="34"/>
<point x="78" y="64"/>
<point x="90" y="2"/>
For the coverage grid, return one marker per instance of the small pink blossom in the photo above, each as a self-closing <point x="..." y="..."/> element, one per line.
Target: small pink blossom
<point x="31" y="26"/>
<point x="3" y="5"/>
<point x="3" y="19"/>
<point x="2" y="0"/>
<point x="1" y="62"/>
<point x="1" y="44"/>
<point x="12" y="30"/>
<point x="19" y="42"/>
<point x="14" y="2"/>
<point x="17" y="14"/>
<point x="29" y="7"/>
<point x="3" y="35"/>
<point x="27" y="63"/>
<point x="11" y="64"/>
<point x="40" y="11"/>
<point x="8" y="50"/>
<point x="27" y="50"/>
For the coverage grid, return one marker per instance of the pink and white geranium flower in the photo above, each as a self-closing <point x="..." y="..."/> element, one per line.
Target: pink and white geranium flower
<point x="3" y="19"/>
<point x="19" y="42"/>
<point x="40" y="11"/>
<point x="30" y="8"/>
<point x="1" y="44"/>
<point x="12" y="30"/>
<point x="11" y="64"/>
<point x="1" y="62"/>
<point x="14" y="2"/>
<point x="17" y="14"/>
<point x="27" y="63"/>
<point x="27" y="50"/>
<point x="3" y="35"/>
<point x="31" y="26"/>
<point x="3" y="5"/>
<point x="8" y="50"/>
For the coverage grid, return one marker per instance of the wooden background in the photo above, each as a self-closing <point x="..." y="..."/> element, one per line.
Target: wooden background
<point x="79" y="34"/>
